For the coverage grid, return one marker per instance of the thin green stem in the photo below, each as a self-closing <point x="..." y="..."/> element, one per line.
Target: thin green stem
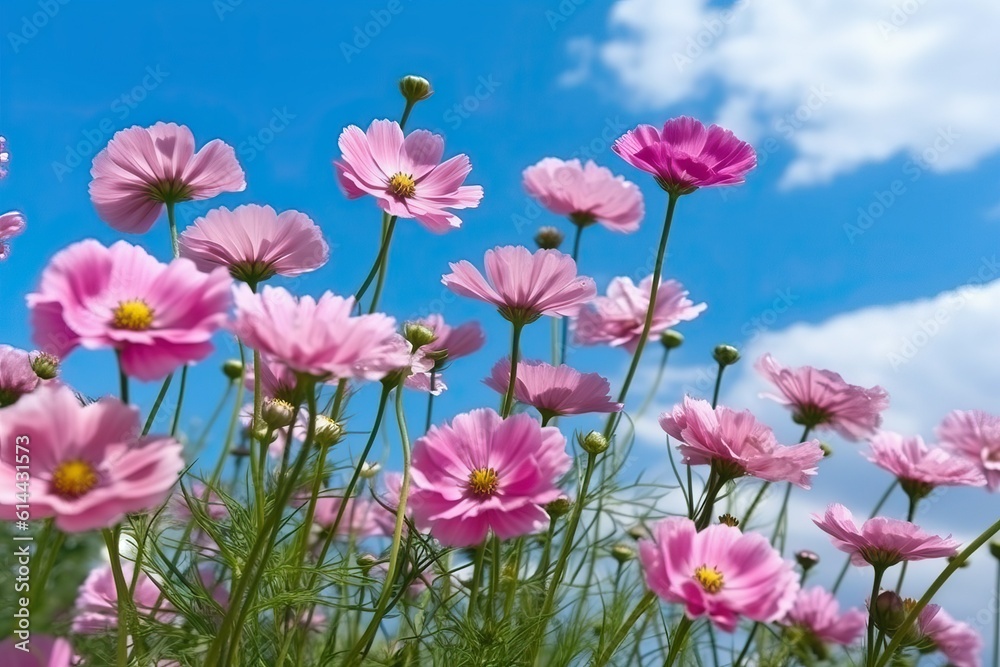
<point x="746" y="645"/>
<point x="126" y="610"/>
<point x="677" y="641"/>
<point x="657" y="379"/>
<point x="874" y="512"/>
<point x="172" y="223"/>
<point x="180" y="402"/>
<point x="609" y="649"/>
<point x="718" y="385"/>
<point x="564" y="338"/>
<point x="871" y="649"/>
<point x="122" y="378"/>
<point x="389" y="223"/>
<point x="996" y="620"/>
<point x="756" y="501"/>
<point x="508" y="400"/>
<point x="430" y="402"/>
<point x="156" y="404"/>
<point x="495" y="568"/>
<point x="910" y="513"/>
<point x="477" y="577"/>
<point x="781" y="526"/>
<point x="406" y="113"/>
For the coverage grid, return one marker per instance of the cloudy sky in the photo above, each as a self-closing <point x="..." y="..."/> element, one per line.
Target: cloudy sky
<point x="866" y="241"/>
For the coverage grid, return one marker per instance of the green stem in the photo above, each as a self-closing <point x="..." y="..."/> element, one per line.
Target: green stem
<point x="871" y="649"/>
<point x="718" y="385"/>
<point x="656" y="385"/>
<point x="746" y="645"/>
<point x="406" y="113"/>
<point x="477" y="576"/>
<point x="122" y="378"/>
<point x="172" y="223"/>
<point x="756" y="501"/>
<point x="389" y="223"/>
<point x="156" y="404"/>
<point x="565" y="321"/>
<point x="878" y="507"/>
<point x="180" y="402"/>
<point x="508" y="400"/>
<point x="609" y="649"/>
<point x="996" y="620"/>
<point x="430" y="402"/>
<point x="910" y="513"/>
<point x="508" y="605"/>
<point x="677" y="642"/>
<point x="495" y="568"/>
<point x="126" y="610"/>
<point x="780" y="526"/>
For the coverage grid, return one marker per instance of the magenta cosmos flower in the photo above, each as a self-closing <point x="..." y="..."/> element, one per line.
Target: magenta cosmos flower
<point x="687" y="155"/>
<point x="957" y="641"/>
<point x="157" y="316"/>
<point x="585" y="193"/>
<point x="736" y="444"/>
<point x="483" y="473"/>
<point x="11" y="224"/>
<point x="976" y="435"/>
<point x="817" y="612"/>
<point x="97" y="601"/>
<point x="882" y="542"/>
<point x="406" y="175"/>
<point x="363" y="517"/>
<point x="17" y="378"/>
<point x="921" y="468"/>
<point x="553" y="390"/>
<point x="254" y="243"/>
<point x="318" y="337"/>
<point x="43" y="651"/>
<point x="821" y="399"/>
<point x="720" y="573"/>
<point x="89" y="467"/>
<point x="452" y="342"/>
<point x="618" y="318"/>
<point x="144" y="168"/>
<point x="522" y="285"/>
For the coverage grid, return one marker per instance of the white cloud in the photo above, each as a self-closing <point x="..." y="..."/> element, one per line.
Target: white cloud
<point x="844" y="82"/>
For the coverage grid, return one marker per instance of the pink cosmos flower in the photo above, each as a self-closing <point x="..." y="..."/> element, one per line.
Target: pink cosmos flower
<point x="976" y="435"/>
<point x="16" y="375"/>
<point x="882" y="542"/>
<point x="736" y="444"/>
<point x="43" y="651"/>
<point x="818" y="612"/>
<point x="554" y="390"/>
<point x="920" y="468"/>
<point x="11" y="224"/>
<point x="585" y="193"/>
<point x="522" y="285"/>
<point x="687" y="155"/>
<point x="317" y="337"/>
<point x="453" y="342"/>
<point x="276" y="380"/>
<point x="89" y="465"/>
<point x="821" y="399"/>
<point x="483" y="473"/>
<point x="406" y="175"/>
<point x="720" y="573"/>
<point x="158" y="316"/>
<point x="254" y="243"/>
<point x="618" y="318"/>
<point x="142" y="168"/>
<point x="212" y="506"/>
<point x="97" y="601"/>
<point x="363" y="517"/>
<point x="957" y="641"/>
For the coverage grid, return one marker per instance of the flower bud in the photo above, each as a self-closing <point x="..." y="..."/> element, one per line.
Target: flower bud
<point x="622" y="552"/>
<point x="328" y="431"/>
<point x="826" y="449"/>
<point x="366" y="562"/>
<point x="549" y="238"/>
<point x="593" y="443"/>
<point x="726" y="355"/>
<point x="559" y="507"/>
<point x="45" y="365"/>
<point x="671" y="339"/>
<point x="233" y="369"/>
<point x="995" y="548"/>
<point x="277" y="413"/>
<point x="807" y="560"/>
<point x="415" y="88"/>
<point x="729" y="520"/>
<point x="369" y="470"/>
<point x="418" y="334"/>
<point x="888" y="611"/>
<point x="638" y="532"/>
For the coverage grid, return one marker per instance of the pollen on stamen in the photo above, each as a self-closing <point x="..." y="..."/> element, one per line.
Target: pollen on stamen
<point x="484" y="482"/>
<point x="73" y="478"/>
<point x="402" y="185"/>
<point x="132" y="314"/>
<point x="709" y="578"/>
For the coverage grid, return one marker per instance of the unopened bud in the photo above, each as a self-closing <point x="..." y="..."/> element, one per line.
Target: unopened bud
<point x="277" y="413"/>
<point x="638" y="532"/>
<point x="366" y="562"/>
<point x="827" y="449"/>
<point x="45" y="365"/>
<point x="729" y="520"/>
<point x="415" y="88"/>
<point x="328" y="431"/>
<point x="671" y="339"/>
<point x="233" y="369"/>
<point x="549" y="238"/>
<point x="622" y="553"/>
<point x="559" y="507"/>
<point x="726" y="355"/>
<point x="418" y="334"/>
<point x="593" y="443"/>
<point x="888" y="611"/>
<point x="807" y="560"/>
<point x="369" y="470"/>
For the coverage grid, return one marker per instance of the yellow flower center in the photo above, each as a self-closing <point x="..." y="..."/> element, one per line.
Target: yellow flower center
<point x="484" y="482"/>
<point x="73" y="478"/>
<point x="709" y="578"/>
<point x="133" y="314"/>
<point x="402" y="185"/>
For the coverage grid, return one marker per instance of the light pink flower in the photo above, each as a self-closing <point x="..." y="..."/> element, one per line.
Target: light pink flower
<point x="276" y="380"/>
<point x="585" y="193"/>
<point x="212" y="505"/>
<point x="921" y="468"/>
<point x="817" y="611"/>
<point x="254" y="243"/>
<point x="406" y="175"/>
<point x="11" y="224"/>
<point x="957" y="641"/>
<point x="976" y="435"/>
<point x="483" y="473"/>
<point x="881" y="541"/>
<point x="16" y="375"/>
<point x="687" y="155"/>
<point x="522" y="285"/>
<point x="317" y="337"/>
<point x="158" y="316"/>
<point x="454" y="342"/>
<point x="736" y="444"/>
<point x="416" y="366"/>
<point x="822" y="399"/>
<point x="97" y="601"/>
<point x="363" y="517"/>
<point x="618" y="318"/>
<point x="142" y="168"/>
<point x="43" y="651"/>
<point x="89" y="467"/>
<point x="720" y="573"/>
<point x="553" y="390"/>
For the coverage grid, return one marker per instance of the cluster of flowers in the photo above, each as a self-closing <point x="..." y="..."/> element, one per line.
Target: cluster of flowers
<point x="486" y="478"/>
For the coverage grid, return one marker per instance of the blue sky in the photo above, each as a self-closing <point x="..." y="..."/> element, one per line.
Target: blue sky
<point x="837" y="129"/>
